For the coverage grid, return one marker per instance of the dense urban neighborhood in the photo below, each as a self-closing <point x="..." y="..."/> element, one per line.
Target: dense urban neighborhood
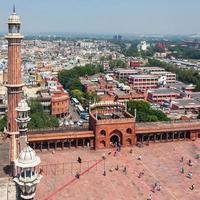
<point x="99" y="117"/>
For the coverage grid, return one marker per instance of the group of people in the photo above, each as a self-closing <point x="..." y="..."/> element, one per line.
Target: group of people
<point x="189" y="175"/>
<point x="156" y="186"/>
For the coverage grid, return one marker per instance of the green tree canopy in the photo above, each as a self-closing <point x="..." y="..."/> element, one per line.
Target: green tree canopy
<point x="70" y="78"/>
<point x="145" y="113"/>
<point x="77" y="94"/>
<point x="40" y="119"/>
<point x="3" y="123"/>
<point x="117" y="64"/>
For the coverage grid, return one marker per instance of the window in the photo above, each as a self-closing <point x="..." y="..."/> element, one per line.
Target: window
<point x="103" y="132"/>
<point x="129" y="130"/>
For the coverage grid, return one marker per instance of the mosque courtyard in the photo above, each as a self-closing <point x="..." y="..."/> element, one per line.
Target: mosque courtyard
<point x="160" y="163"/>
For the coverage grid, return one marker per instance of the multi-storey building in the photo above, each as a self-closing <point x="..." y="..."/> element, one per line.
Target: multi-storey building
<point x="169" y="77"/>
<point x="54" y="99"/>
<point x="163" y="94"/>
<point x="143" y="81"/>
<point x="124" y="73"/>
<point x="149" y="70"/>
<point x="59" y="104"/>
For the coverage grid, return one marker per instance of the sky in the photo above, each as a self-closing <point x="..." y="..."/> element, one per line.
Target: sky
<point x="105" y="16"/>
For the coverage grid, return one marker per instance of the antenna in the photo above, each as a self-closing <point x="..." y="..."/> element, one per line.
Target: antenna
<point x="13" y="8"/>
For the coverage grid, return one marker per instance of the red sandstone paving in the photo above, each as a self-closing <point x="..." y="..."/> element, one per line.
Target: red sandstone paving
<point x="161" y="162"/>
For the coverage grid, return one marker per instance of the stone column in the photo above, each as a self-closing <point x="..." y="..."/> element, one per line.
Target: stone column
<point x="55" y="144"/>
<point x="193" y="135"/>
<point x="69" y="143"/>
<point x="184" y="135"/>
<point x="41" y="144"/>
<point x="83" y="142"/>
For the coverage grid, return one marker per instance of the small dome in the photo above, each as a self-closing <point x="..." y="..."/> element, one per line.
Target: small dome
<point x="27" y="158"/>
<point x="14" y="19"/>
<point x="22" y="106"/>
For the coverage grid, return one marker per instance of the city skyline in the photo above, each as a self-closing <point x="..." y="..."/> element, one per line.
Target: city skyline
<point x="105" y="17"/>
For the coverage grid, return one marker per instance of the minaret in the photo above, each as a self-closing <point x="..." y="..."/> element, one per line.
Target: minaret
<point x="14" y="86"/>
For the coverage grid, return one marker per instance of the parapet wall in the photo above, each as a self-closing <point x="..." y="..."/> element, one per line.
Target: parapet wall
<point x="8" y="189"/>
<point x="156" y="127"/>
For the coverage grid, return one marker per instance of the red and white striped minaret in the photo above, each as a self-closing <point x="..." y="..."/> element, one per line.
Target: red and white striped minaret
<point x="14" y="86"/>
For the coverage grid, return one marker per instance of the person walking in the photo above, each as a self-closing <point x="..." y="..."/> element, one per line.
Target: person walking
<point x="79" y="160"/>
<point x="149" y="197"/>
<point x="192" y="187"/>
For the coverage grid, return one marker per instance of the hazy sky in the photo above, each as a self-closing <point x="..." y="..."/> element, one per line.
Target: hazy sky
<point x="105" y="16"/>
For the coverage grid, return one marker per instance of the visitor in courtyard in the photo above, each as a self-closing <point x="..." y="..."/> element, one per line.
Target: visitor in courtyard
<point x="117" y="168"/>
<point x="159" y="187"/>
<point x="139" y="157"/>
<point x="190" y="163"/>
<point x="77" y="175"/>
<point x="125" y="170"/>
<point x="141" y="174"/>
<point x="131" y="151"/>
<point x="149" y="198"/>
<point x="104" y="156"/>
<point x="181" y="159"/>
<point x="79" y="159"/>
<point x="111" y="169"/>
<point x="192" y="187"/>
<point x="182" y="170"/>
<point x="190" y="175"/>
<point x="104" y="173"/>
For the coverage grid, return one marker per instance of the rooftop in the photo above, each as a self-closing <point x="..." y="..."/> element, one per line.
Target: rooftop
<point x="143" y="76"/>
<point x="164" y="91"/>
<point x="180" y="85"/>
<point x="186" y="102"/>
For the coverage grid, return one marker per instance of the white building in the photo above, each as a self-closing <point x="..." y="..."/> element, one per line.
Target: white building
<point x="143" y="46"/>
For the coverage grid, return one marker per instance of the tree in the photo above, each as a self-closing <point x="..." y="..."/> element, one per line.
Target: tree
<point x="35" y="106"/>
<point x="40" y="119"/>
<point x="138" y="105"/>
<point x="197" y="87"/>
<point x="75" y="84"/>
<point x="3" y="123"/>
<point x="70" y="78"/>
<point x="91" y="97"/>
<point x="117" y="64"/>
<point x="144" y="113"/>
<point x="77" y="94"/>
<point x="198" y="117"/>
<point x="152" y="118"/>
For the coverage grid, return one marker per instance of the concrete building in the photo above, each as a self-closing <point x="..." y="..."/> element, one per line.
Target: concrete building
<point x="143" y="81"/>
<point x="123" y="74"/>
<point x="188" y="104"/>
<point x="169" y="77"/>
<point x="54" y="99"/>
<point x="163" y="94"/>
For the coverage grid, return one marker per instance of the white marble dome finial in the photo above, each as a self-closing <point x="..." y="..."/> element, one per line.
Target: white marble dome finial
<point x="27" y="158"/>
